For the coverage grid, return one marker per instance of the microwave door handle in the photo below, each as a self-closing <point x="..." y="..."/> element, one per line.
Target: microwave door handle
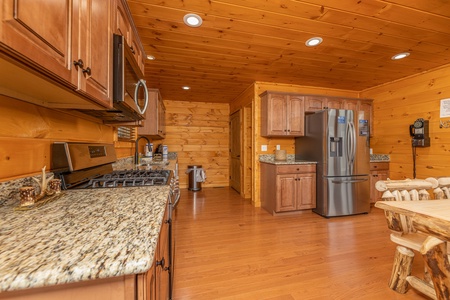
<point x="141" y="82"/>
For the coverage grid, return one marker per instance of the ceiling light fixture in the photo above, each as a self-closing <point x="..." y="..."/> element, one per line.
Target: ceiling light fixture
<point x="192" y="20"/>
<point x="400" y="55"/>
<point x="151" y="57"/>
<point x="313" y="41"/>
<point x="186" y="87"/>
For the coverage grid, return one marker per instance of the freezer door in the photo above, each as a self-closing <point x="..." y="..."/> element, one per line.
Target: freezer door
<point x="342" y="196"/>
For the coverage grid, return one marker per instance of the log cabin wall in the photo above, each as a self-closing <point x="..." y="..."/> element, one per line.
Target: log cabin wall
<point x="28" y="130"/>
<point x="199" y="133"/>
<point x="287" y="144"/>
<point x="396" y="106"/>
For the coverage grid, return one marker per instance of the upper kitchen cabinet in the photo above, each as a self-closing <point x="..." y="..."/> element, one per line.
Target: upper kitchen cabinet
<point x="45" y="42"/>
<point x="154" y="124"/>
<point x="124" y="26"/>
<point x="314" y="103"/>
<point x="362" y="109"/>
<point x="282" y="114"/>
<point x="94" y="42"/>
<point x="68" y="43"/>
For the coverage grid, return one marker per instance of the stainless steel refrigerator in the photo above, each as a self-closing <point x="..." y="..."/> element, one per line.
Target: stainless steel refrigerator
<point x="340" y="145"/>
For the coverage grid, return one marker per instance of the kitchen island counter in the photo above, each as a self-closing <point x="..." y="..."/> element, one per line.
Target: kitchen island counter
<point x="82" y="235"/>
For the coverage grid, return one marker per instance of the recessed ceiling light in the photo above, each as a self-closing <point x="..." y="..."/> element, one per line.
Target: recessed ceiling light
<point x="151" y="57"/>
<point x="313" y="41"/>
<point x="186" y="87"/>
<point x="192" y="20"/>
<point x="400" y="55"/>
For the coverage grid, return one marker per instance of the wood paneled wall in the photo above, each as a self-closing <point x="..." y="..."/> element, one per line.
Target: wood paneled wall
<point x="399" y="104"/>
<point x="287" y="144"/>
<point x="199" y="133"/>
<point x="28" y="130"/>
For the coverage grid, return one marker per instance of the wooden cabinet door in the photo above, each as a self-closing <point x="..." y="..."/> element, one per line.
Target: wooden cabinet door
<point x="314" y="103"/>
<point x="95" y="44"/>
<point x="40" y="32"/>
<point x="335" y="103"/>
<point x="276" y="114"/>
<point x="375" y="176"/>
<point x="286" y="195"/>
<point x="162" y="275"/>
<point x="148" y="292"/>
<point x="295" y="118"/>
<point x="161" y="118"/>
<point x="122" y="24"/>
<point x="306" y="191"/>
<point x="365" y="112"/>
<point x="154" y="124"/>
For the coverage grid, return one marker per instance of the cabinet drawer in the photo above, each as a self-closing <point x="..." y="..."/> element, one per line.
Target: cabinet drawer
<point x="294" y="169"/>
<point x="374" y="166"/>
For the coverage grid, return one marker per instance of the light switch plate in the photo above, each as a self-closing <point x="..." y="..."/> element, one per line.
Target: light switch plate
<point x="278" y="147"/>
<point x="263" y="147"/>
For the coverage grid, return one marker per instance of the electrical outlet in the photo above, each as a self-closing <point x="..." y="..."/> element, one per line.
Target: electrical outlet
<point x="263" y="147"/>
<point x="278" y="147"/>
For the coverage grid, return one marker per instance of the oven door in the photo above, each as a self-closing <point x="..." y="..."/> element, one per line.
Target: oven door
<point x="130" y="92"/>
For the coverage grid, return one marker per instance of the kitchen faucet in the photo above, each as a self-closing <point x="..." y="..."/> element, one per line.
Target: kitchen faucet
<point x="136" y="152"/>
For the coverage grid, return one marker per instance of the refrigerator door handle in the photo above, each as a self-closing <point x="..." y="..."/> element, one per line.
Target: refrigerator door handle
<point x="350" y="146"/>
<point x="353" y="142"/>
<point x="349" y="181"/>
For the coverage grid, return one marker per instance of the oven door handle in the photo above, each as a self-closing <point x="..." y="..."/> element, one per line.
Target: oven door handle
<point x="175" y="197"/>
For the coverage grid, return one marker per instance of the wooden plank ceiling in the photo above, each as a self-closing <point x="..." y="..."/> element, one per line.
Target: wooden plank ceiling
<point x="242" y="41"/>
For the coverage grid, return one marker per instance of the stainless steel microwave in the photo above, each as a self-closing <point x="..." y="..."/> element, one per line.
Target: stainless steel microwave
<point x="130" y="94"/>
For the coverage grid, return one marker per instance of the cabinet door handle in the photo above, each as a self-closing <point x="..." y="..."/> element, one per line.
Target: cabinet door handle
<point x="87" y="71"/>
<point x="78" y="63"/>
<point x="161" y="263"/>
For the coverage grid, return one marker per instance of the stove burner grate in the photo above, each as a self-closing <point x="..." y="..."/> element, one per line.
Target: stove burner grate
<point x="130" y="178"/>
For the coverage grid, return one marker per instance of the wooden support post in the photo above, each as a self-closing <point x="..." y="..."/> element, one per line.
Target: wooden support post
<point x="434" y="252"/>
<point x="401" y="269"/>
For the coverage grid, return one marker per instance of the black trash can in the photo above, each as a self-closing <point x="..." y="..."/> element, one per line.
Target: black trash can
<point x="195" y="177"/>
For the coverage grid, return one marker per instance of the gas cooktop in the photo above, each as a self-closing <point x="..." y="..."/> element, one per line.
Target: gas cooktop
<point x="89" y="166"/>
<point x="128" y="178"/>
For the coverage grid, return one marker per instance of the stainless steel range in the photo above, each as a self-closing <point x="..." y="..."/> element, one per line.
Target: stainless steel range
<point x="89" y="166"/>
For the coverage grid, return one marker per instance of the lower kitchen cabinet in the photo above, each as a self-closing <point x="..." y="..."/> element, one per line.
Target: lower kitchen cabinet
<point x="286" y="188"/>
<point x="162" y="261"/>
<point x="116" y="288"/>
<point x="378" y="171"/>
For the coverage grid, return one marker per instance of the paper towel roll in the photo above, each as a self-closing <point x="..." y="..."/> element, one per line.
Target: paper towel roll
<point x="280" y="154"/>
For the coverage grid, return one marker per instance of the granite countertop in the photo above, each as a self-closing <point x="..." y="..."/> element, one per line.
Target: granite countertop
<point x="380" y="158"/>
<point x="270" y="159"/>
<point x="290" y="160"/>
<point x="82" y="235"/>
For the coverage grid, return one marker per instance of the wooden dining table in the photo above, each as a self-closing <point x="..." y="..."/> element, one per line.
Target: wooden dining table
<point x="431" y="217"/>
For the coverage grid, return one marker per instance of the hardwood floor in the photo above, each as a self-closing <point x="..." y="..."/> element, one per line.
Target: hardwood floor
<point x="227" y="249"/>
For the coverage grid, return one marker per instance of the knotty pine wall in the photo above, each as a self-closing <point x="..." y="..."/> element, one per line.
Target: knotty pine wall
<point x="27" y="132"/>
<point x="397" y="105"/>
<point x="199" y="133"/>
